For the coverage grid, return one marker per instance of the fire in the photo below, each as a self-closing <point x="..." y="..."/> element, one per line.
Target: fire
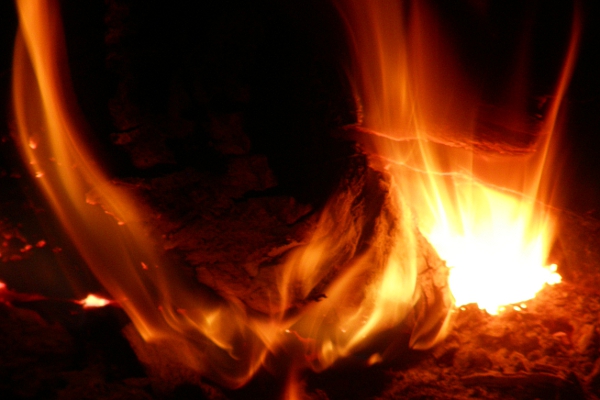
<point x="483" y="206"/>
<point x="484" y="212"/>
<point x="93" y="301"/>
<point x="212" y="338"/>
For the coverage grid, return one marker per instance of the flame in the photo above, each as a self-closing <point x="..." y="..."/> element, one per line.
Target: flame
<point x="294" y="389"/>
<point x="460" y="199"/>
<point x="111" y="237"/>
<point x="484" y="212"/>
<point x="93" y="301"/>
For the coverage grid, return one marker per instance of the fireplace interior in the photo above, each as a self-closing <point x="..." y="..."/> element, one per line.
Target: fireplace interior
<point x="233" y="126"/>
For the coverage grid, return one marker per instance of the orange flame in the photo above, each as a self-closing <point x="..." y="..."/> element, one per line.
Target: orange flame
<point x="460" y="199"/>
<point x="483" y="212"/>
<point x="111" y="238"/>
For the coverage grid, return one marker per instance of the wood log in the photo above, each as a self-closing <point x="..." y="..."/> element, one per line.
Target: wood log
<point x="238" y="244"/>
<point x="234" y="152"/>
<point x="241" y="249"/>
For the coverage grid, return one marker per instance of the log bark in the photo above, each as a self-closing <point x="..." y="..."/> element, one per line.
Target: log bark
<point x="233" y="151"/>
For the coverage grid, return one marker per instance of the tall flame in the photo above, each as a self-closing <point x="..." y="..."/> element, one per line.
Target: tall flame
<point x="111" y="238"/>
<point x="482" y="211"/>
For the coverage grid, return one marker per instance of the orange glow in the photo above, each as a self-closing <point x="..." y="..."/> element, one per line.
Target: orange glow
<point x="294" y="389"/>
<point x="93" y="301"/>
<point x="4" y="298"/>
<point x="8" y="296"/>
<point x="487" y="207"/>
<point x="212" y="337"/>
<point x="483" y="211"/>
<point x="189" y="326"/>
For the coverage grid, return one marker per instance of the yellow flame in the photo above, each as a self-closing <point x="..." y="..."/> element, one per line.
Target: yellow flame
<point x="483" y="212"/>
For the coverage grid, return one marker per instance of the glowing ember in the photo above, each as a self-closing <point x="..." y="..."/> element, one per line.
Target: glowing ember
<point x="93" y="301"/>
<point x="4" y="293"/>
<point x="8" y="296"/>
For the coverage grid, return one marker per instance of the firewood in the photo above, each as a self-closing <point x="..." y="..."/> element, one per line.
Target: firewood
<point x="238" y="245"/>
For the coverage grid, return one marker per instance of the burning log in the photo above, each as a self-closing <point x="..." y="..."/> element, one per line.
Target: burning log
<point x="237" y="244"/>
<point x="209" y="230"/>
<point x="241" y="249"/>
<point x="237" y="221"/>
<point x="360" y="252"/>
